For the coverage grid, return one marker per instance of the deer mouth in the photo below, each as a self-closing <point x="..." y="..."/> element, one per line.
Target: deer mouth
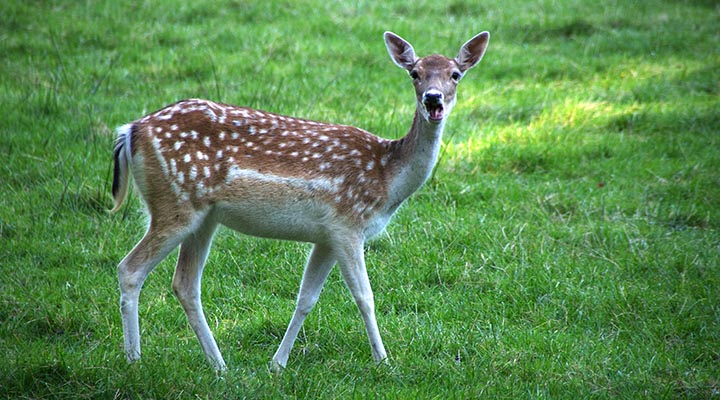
<point x="436" y="112"/>
<point x="433" y="102"/>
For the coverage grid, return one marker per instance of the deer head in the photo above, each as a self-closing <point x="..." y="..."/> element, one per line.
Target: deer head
<point x="436" y="77"/>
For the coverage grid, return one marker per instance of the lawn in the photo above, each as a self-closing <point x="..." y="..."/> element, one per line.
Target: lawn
<point x="567" y="245"/>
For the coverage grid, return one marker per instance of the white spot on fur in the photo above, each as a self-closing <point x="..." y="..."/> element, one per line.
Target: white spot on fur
<point x="359" y="207"/>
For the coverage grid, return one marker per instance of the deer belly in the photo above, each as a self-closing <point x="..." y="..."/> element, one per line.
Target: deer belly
<point x="303" y="220"/>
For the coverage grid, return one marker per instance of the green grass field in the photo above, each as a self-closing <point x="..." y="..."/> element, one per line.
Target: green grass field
<point x="568" y="245"/>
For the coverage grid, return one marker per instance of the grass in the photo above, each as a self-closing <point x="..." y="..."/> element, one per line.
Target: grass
<point x="566" y="247"/>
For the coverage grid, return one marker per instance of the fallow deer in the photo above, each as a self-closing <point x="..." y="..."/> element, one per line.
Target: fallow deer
<point x="198" y="164"/>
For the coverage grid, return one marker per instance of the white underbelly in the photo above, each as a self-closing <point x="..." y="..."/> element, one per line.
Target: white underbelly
<point x="305" y="221"/>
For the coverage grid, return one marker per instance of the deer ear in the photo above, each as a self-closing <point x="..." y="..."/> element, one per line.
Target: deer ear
<point x="401" y="52"/>
<point x="472" y="51"/>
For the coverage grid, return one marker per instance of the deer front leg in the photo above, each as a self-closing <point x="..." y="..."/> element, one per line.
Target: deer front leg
<point x="318" y="267"/>
<point x="354" y="272"/>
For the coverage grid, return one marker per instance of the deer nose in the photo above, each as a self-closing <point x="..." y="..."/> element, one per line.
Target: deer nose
<point x="433" y="97"/>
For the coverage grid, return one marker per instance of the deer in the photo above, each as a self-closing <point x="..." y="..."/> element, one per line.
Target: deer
<point x="198" y="164"/>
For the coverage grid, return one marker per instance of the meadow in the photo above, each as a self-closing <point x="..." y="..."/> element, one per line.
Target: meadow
<point x="567" y="245"/>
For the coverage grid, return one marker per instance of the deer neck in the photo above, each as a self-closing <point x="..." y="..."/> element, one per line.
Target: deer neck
<point x="413" y="159"/>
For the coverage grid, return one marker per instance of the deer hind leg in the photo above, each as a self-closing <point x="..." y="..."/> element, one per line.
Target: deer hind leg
<point x="186" y="285"/>
<point x="318" y="267"/>
<point x="354" y="272"/>
<point x="132" y="271"/>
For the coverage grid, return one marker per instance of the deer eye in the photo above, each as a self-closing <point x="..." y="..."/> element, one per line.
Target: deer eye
<point x="414" y="74"/>
<point x="456" y="76"/>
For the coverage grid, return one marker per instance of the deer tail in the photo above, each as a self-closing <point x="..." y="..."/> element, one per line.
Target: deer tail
<point x="121" y="172"/>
